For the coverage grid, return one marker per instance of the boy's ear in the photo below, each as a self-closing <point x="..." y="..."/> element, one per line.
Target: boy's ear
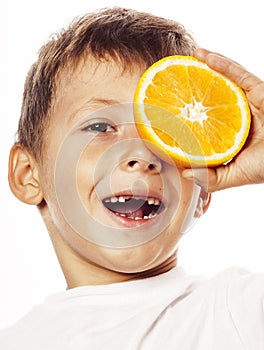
<point x="203" y="203"/>
<point x="23" y="176"/>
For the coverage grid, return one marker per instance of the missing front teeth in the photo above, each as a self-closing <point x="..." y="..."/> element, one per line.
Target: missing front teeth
<point x="133" y="208"/>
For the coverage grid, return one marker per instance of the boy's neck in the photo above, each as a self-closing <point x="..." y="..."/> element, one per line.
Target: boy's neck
<point x="91" y="274"/>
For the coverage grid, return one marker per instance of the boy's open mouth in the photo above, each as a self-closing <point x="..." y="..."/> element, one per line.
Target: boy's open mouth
<point x="134" y="208"/>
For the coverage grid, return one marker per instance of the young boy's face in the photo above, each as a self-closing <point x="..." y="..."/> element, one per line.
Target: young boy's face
<point x="110" y="201"/>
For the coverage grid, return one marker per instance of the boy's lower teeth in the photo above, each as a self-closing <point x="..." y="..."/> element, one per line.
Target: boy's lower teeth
<point x="133" y="217"/>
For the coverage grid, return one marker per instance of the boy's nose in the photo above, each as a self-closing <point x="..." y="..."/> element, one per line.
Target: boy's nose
<point x="138" y="164"/>
<point x="137" y="157"/>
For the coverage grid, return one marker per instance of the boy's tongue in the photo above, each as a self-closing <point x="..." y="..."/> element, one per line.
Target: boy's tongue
<point x="132" y="208"/>
<point x="135" y="214"/>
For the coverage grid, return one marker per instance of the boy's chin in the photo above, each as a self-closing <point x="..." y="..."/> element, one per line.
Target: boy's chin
<point x="158" y="254"/>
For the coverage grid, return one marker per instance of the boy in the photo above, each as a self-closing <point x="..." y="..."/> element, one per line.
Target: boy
<point x="114" y="211"/>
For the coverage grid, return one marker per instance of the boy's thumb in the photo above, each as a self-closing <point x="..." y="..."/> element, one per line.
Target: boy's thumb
<point x="210" y="179"/>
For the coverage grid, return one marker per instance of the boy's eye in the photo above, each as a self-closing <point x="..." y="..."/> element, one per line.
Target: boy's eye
<point x="100" y="127"/>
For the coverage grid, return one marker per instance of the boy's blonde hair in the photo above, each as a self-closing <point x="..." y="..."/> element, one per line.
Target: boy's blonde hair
<point x="127" y="36"/>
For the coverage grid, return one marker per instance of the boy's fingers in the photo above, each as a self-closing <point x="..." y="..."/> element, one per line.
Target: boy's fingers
<point x="201" y="53"/>
<point x="229" y="68"/>
<point x="206" y="178"/>
<point x="212" y="179"/>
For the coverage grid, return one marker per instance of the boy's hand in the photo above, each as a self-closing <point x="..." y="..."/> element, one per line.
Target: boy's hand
<point x="248" y="166"/>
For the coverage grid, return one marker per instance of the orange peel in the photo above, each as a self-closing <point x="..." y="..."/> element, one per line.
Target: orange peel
<point x="195" y="115"/>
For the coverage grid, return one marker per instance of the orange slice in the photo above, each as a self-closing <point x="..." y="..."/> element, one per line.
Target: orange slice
<point x="195" y="115"/>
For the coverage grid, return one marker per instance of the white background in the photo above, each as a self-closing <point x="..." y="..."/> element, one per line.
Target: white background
<point x="231" y="233"/>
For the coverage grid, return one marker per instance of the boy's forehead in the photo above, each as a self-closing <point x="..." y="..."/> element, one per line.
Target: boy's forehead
<point x="93" y="85"/>
<point x="91" y="71"/>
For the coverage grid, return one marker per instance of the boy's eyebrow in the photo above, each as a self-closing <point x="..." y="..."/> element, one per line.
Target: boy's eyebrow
<point x="95" y="101"/>
<point x="103" y="101"/>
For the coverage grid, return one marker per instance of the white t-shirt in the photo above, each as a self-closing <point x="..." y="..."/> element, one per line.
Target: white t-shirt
<point x="169" y="311"/>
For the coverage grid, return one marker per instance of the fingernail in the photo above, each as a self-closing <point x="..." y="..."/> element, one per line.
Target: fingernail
<point x="188" y="174"/>
<point x="192" y="174"/>
<point x="200" y="53"/>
